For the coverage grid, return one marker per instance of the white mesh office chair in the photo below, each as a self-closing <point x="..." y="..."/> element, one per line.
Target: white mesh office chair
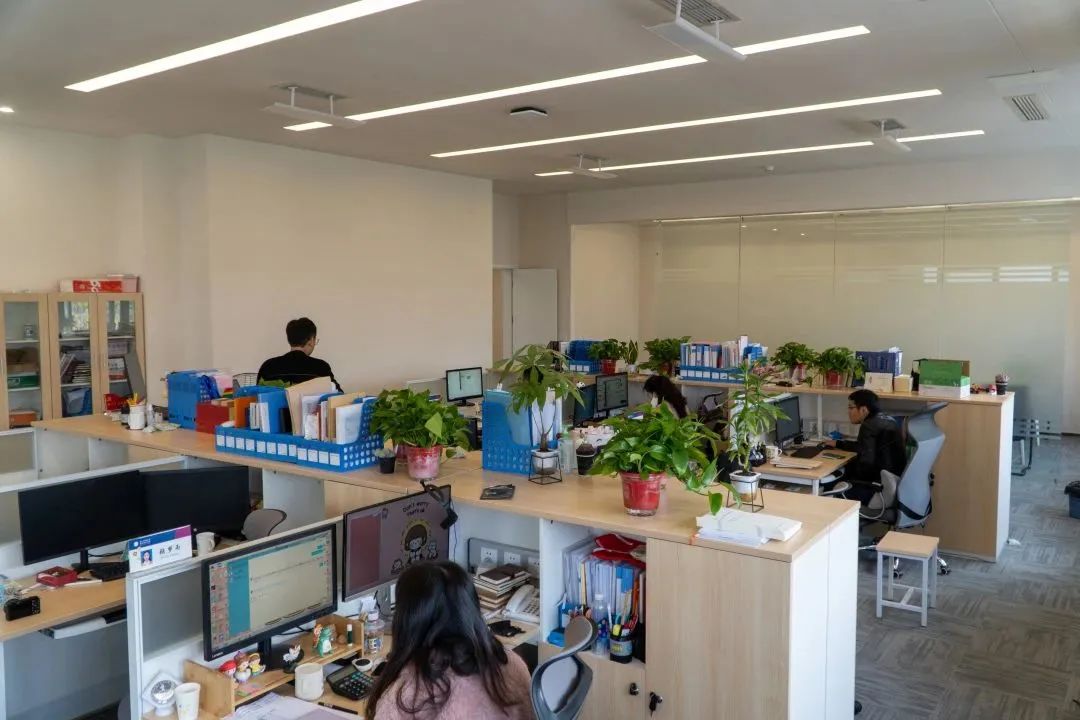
<point x="906" y="502"/>
<point x="262" y="523"/>
<point x="561" y="683"/>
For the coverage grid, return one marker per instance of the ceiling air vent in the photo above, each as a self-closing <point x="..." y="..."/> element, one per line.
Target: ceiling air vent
<point x="1029" y="107"/>
<point x="701" y="12"/>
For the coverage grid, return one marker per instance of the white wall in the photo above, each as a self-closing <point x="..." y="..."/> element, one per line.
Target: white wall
<point x="58" y="199"/>
<point x="505" y="224"/>
<point x="605" y="282"/>
<point x="393" y="264"/>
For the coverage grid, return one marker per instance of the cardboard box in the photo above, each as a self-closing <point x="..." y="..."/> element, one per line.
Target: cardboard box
<point x="107" y="284"/>
<point x="902" y="383"/>
<point x="945" y="373"/>
<point x="945" y="391"/>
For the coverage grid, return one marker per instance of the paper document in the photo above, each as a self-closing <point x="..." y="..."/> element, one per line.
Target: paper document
<point x="739" y="526"/>
<point x="277" y="707"/>
<point x="347" y="423"/>
<point x="796" y="463"/>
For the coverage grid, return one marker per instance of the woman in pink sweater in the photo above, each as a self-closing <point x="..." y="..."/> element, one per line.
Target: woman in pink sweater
<point x="445" y="663"/>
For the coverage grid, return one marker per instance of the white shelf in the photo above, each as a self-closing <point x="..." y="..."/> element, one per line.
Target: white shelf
<point x="72" y="385"/>
<point x="23" y="389"/>
<point x="75" y="340"/>
<point x="121" y="337"/>
<point x="23" y="342"/>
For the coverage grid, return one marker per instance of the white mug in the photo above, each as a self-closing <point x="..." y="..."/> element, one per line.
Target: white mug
<point x="137" y="417"/>
<point x="309" y="681"/>
<point x="187" y="701"/>
<point x="772" y="452"/>
<point x="204" y="543"/>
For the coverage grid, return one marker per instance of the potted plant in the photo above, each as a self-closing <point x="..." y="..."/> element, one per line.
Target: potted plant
<point x="539" y="381"/>
<point x="796" y="358"/>
<point x="630" y="355"/>
<point x="423" y="426"/>
<point x="586" y="453"/>
<point x="752" y="416"/>
<point x="608" y="352"/>
<point x="664" y="353"/>
<point x="660" y="444"/>
<point x="387" y="460"/>
<point x="839" y="365"/>
<point x="1001" y="382"/>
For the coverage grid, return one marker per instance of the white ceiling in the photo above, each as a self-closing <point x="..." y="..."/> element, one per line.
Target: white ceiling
<point x="442" y="48"/>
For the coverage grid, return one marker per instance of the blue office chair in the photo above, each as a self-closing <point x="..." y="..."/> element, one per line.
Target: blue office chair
<point x="561" y="683"/>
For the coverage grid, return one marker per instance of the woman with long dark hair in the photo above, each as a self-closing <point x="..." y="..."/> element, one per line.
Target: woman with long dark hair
<point x="661" y="388"/>
<point x="445" y="662"/>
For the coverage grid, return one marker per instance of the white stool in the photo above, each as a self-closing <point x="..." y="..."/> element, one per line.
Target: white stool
<point x="909" y="547"/>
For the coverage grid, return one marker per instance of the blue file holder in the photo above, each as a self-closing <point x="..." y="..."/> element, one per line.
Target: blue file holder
<point x="500" y="452"/>
<point x="276" y="398"/>
<point x="710" y="374"/>
<point x="881" y="361"/>
<point x="254" y="443"/>
<point x="187" y="389"/>
<point x="585" y="367"/>
<point x="338" y="458"/>
<point x="577" y="352"/>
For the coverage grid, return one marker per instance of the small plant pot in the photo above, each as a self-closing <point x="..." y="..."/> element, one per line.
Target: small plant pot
<point x="584" y="462"/>
<point x="631" y="369"/>
<point x="1001" y="388"/>
<point x="667" y="369"/>
<point x="798" y="373"/>
<point x="745" y="484"/>
<point x="834" y="379"/>
<point x="607" y="367"/>
<point x="545" y="462"/>
<point x="388" y="464"/>
<point x="641" y="496"/>
<point x="401" y="456"/>
<point x="423" y="462"/>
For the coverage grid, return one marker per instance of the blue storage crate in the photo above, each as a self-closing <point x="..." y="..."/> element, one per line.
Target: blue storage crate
<point x="500" y="452"/>
<point x="579" y="349"/>
<point x="336" y="457"/>
<point x="253" y="443"/>
<point x="186" y="390"/>
<point x="585" y="367"/>
<point x="710" y="374"/>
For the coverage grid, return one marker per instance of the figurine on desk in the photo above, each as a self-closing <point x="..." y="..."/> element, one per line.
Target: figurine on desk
<point x="292" y="658"/>
<point x="325" y="644"/>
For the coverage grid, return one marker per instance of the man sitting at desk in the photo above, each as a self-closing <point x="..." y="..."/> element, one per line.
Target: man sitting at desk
<point x="297" y="365"/>
<point x="880" y="446"/>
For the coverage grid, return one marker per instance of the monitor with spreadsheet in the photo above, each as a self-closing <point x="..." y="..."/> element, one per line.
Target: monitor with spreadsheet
<point x="787" y="430"/>
<point x="612" y="392"/>
<point x="464" y="384"/>
<point x="252" y="594"/>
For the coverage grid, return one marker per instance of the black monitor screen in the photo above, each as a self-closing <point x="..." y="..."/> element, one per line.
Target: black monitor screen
<point x="208" y="499"/>
<point x="382" y="540"/>
<point x="586" y="409"/>
<point x="787" y="430"/>
<point x="612" y="392"/>
<point x="63" y="519"/>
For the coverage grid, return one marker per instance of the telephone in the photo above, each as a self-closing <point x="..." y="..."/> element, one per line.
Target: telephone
<point x="525" y="605"/>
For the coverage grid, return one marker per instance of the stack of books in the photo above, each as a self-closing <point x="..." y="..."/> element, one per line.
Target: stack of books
<point x="496" y="586"/>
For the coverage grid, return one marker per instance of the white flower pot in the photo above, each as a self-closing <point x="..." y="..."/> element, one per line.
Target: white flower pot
<point x="545" y="462"/>
<point x="745" y="484"/>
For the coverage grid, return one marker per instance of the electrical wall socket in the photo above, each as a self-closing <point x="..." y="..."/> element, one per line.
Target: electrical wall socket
<point x="512" y="558"/>
<point x="483" y="551"/>
<point x="532" y="562"/>
<point x="489" y="556"/>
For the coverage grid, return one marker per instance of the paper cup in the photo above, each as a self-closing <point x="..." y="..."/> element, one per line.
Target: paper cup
<point x="187" y="701"/>
<point x="309" y="681"/>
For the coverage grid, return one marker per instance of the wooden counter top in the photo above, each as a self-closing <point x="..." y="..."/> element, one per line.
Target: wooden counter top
<point x="64" y="605"/>
<point x="592" y="501"/>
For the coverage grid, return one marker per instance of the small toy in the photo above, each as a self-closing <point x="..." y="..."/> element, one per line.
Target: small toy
<point x="228" y="668"/>
<point x="315" y="633"/>
<point x="325" y="645"/>
<point x="255" y="664"/>
<point x="243" y="669"/>
<point x="292" y="658"/>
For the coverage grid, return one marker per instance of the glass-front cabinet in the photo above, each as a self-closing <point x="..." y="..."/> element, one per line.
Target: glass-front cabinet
<point x="121" y="322"/>
<point x="25" y="395"/>
<point x="76" y="355"/>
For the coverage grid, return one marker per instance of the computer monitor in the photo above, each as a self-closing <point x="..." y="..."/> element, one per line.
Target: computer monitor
<point x="464" y="384"/>
<point x="585" y="410"/>
<point x="250" y="595"/>
<point x="612" y="392"/>
<point x="77" y="516"/>
<point x="787" y="431"/>
<point x="380" y="541"/>
<point x="212" y="499"/>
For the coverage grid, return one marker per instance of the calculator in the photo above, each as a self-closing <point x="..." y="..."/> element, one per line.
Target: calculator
<point x="348" y="682"/>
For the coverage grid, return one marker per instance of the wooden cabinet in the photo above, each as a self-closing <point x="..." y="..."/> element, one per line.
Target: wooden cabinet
<point x="25" y="392"/>
<point x="95" y="348"/>
<point x="612" y="692"/>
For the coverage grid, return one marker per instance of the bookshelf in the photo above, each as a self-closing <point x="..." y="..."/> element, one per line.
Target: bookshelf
<point x="24" y="393"/>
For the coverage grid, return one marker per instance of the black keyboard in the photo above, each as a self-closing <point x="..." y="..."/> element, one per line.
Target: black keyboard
<point x="108" y="571"/>
<point x="805" y="453"/>
<point x="350" y="683"/>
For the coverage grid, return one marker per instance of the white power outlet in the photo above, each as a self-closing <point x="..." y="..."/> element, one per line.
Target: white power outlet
<point x="512" y="558"/>
<point x="533" y="563"/>
<point x="489" y="556"/>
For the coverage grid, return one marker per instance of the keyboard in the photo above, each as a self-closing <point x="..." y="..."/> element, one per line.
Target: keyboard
<point x="350" y="683"/>
<point x="808" y="451"/>
<point x="108" y="571"/>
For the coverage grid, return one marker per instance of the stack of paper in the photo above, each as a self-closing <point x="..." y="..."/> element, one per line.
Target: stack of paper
<point x="753" y="529"/>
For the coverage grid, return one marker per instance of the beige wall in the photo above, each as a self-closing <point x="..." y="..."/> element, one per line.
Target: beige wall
<point x="505" y="224"/>
<point x="544" y="242"/>
<point x="605" y="283"/>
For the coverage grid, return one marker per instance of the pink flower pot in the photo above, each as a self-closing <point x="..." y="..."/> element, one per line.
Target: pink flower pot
<point x="640" y="497"/>
<point x="423" y="462"/>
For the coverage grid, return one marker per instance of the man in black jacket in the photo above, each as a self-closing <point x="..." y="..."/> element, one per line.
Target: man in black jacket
<point x="880" y="445"/>
<point x="297" y="365"/>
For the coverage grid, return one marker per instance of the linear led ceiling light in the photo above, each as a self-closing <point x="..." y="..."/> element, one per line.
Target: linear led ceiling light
<point x="597" y="76"/>
<point x="690" y="37"/>
<point x="856" y="102"/>
<point x="313" y="118"/>
<point x="597" y="172"/>
<point x="6" y="109"/>
<point x="290" y="28"/>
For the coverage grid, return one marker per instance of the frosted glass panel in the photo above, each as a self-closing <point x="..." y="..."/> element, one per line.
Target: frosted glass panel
<point x="786" y="281"/>
<point x="698" y="281"/>
<point x="1004" y="299"/>
<point x="888" y="287"/>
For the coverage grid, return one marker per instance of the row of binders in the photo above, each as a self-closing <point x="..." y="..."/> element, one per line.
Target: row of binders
<point x="727" y="354"/>
<point x="605" y="571"/>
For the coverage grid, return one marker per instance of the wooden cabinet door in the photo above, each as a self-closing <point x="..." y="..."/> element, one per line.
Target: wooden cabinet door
<point x="717" y="634"/>
<point x="24" y="363"/>
<point x="609" y="696"/>
<point x="122" y="358"/>
<point x="75" y="354"/>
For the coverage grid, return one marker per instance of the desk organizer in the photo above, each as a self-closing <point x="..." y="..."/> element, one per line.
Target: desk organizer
<point x="577" y="352"/>
<point x="500" y="452"/>
<point x="186" y="390"/>
<point x="710" y="374"/>
<point x="882" y="361"/>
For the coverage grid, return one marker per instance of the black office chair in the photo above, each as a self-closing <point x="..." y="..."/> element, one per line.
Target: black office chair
<point x="561" y="683"/>
<point x="906" y="502"/>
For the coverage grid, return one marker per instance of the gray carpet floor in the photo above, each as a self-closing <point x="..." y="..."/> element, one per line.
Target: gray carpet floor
<point x="1004" y="641"/>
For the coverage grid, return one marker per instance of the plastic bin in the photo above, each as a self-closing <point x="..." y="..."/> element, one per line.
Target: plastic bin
<point x="186" y="390"/>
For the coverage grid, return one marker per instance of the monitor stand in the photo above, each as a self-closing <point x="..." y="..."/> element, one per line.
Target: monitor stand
<point x="273" y="656"/>
<point x="84" y="561"/>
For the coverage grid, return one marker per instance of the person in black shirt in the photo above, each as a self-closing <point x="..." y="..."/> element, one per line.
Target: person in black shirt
<point x="297" y="365"/>
<point x="880" y="445"/>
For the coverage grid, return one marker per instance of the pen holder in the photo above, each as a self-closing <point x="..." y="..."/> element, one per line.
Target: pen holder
<point x="622" y="649"/>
